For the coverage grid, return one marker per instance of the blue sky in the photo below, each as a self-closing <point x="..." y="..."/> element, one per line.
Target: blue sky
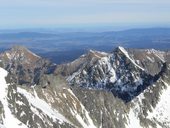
<point x="83" y="13"/>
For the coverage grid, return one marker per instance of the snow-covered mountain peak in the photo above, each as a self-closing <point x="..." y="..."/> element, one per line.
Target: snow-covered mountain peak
<point x="126" y="54"/>
<point x="20" y="53"/>
<point x="122" y="49"/>
<point x="96" y="54"/>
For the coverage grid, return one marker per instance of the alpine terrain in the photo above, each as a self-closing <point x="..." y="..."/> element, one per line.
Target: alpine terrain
<point x="126" y="88"/>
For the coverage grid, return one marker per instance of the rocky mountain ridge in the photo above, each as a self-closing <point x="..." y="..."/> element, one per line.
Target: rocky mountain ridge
<point x="125" y="75"/>
<point x="126" y="88"/>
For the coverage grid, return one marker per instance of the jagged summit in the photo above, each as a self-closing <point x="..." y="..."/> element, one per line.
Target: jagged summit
<point x="21" y="51"/>
<point x="128" y="57"/>
<point x="123" y="50"/>
<point x="119" y="48"/>
<point x="20" y="55"/>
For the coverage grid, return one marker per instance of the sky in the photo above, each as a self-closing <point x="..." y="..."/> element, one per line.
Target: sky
<point x="83" y="13"/>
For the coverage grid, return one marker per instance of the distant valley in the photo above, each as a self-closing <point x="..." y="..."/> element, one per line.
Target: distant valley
<point x="62" y="47"/>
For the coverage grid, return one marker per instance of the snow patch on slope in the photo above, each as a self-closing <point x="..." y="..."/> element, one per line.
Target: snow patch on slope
<point x="150" y="59"/>
<point x="160" y="114"/>
<point x="9" y="120"/>
<point x="134" y="121"/>
<point x="38" y="103"/>
<point x="112" y="74"/>
<point x="157" y="53"/>
<point x="127" y="55"/>
<point x="33" y="54"/>
<point x="162" y="111"/>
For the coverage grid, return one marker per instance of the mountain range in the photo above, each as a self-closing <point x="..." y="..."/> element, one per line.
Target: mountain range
<point x="63" y="47"/>
<point x="123" y="88"/>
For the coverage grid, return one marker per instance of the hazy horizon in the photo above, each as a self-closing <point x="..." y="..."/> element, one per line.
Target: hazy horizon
<point x="80" y="29"/>
<point x="119" y="15"/>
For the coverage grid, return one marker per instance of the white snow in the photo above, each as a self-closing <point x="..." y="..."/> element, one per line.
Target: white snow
<point x="150" y="59"/>
<point x="138" y="81"/>
<point x="81" y="121"/>
<point x="103" y="53"/>
<point x="22" y="114"/>
<point x="158" y="54"/>
<point x="64" y="95"/>
<point x="138" y="61"/>
<point x="112" y="74"/>
<point x="42" y="105"/>
<point x="99" y="52"/>
<point x="33" y="54"/>
<point x="9" y="120"/>
<point x="2" y="126"/>
<point x="84" y="72"/>
<point x="8" y="55"/>
<point x="127" y="55"/>
<point x="19" y="103"/>
<point x="70" y="78"/>
<point x="162" y="110"/>
<point x="133" y="120"/>
<point x="113" y="79"/>
<point x="161" y="113"/>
